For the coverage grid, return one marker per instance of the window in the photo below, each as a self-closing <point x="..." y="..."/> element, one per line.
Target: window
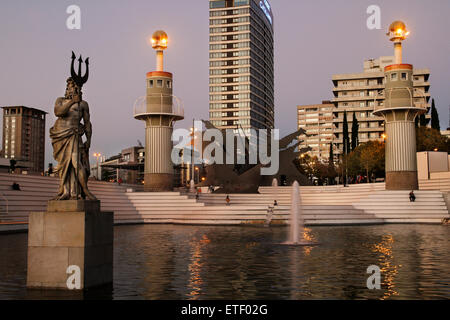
<point x="217" y="4"/>
<point x="169" y="84"/>
<point x="240" y="2"/>
<point x="394" y="76"/>
<point x="404" y="76"/>
<point x="150" y="83"/>
<point x="159" y="83"/>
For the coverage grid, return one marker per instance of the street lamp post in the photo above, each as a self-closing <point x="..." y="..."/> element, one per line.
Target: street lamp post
<point x="98" y="155"/>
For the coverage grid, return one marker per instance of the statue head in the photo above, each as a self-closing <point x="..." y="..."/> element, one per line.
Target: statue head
<point x="72" y="89"/>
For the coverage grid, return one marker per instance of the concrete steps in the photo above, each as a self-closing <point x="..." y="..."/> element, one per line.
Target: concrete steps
<point x="36" y="191"/>
<point x="395" y="207"/>
<point x="435" y="184"/>
<point x="331" y="205"/>
<point x="364" y="187"/>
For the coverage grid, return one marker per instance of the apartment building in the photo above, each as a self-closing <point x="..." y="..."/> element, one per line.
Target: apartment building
<point x="24" y="136"/>
<point x="241" y="61"/>
<point x="360" y="92"/>
<point x="317" y="121"/>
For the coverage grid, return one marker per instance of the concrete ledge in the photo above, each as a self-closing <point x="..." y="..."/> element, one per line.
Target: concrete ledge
<point x="73" y="206"/>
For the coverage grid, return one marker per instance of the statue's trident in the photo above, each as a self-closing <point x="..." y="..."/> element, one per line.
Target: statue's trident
<point x="78" y="78"/>
<point x="80" y="81"/>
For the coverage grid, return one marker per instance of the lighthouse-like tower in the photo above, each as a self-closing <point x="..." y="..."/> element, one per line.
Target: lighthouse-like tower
<point x="399" y="112"/>
<point x="160" y="109"/>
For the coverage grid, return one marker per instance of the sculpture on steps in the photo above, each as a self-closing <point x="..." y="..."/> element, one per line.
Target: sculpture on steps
<point x="247" y="178"/>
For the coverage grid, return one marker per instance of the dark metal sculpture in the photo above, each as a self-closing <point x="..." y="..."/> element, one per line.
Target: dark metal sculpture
<point x="79" y="80"/>
<point x="247" y="178"/>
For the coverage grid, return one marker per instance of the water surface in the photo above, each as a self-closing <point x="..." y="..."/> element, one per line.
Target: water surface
<point x="191" y="262"/>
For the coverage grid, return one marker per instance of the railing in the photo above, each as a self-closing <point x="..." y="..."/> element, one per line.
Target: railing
<point x="421" y="105"/>
<point x="140" y="105"/>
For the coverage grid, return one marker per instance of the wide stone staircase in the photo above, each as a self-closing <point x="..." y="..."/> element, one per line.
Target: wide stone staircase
<point x="373" y="200"/>
<point x="328" y="205"/>
<point x="435" y="184"/>
<point x="395" y="206"/>
<point x="36" y="191"/>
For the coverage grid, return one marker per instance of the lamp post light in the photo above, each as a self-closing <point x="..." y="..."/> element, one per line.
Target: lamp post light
<point x="160" y="112"/>
<point x="197" y="170"/>
<point x="98" y="155"/>
<point x="399" y="112"/>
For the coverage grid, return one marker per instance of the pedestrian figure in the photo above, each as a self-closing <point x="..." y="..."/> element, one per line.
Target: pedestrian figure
<point x="15" y="186"/>
<point x="412" y="196"/>
<point x="228" y="200"/>
<point x="275" y="203"/>
<point x="120" y="181"/>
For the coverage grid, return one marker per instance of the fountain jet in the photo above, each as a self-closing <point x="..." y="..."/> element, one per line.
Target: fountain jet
<point x="297" y="223"/>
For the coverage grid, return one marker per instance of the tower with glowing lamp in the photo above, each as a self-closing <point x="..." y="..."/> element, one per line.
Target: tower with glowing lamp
<point x="399" y="112"/>
<point x="160" y="110"/>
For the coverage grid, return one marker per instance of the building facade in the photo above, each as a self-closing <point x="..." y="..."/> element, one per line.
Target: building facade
<point x="24" y="136"/>
<point x="241" y="65"/>
<point x="317" y="121"/>
<point x="128" y="165"/>
<point x="357" y="93"/>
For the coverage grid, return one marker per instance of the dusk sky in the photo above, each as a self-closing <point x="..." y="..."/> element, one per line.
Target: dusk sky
<point x="314" y="39"/>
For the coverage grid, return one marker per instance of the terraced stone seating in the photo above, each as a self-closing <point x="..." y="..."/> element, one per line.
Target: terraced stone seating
<point x="435" y="184"/>
<point x="395" y="206"/>
<point x="331" y="205"/>
<point x="37" y="190"/>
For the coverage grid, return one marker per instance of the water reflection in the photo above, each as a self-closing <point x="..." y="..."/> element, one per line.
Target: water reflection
<point x="195" y="267"/>
<point x="388" y="269"/>
<point x="187" y="262"/>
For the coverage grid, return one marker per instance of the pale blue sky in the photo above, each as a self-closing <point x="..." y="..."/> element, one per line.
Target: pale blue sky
<point x="314" y="39"/>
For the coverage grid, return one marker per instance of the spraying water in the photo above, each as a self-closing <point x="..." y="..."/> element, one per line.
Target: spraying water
<point x="297" y="226"/>
<point x="296" y="217"/>
<point x="274" y="182"/>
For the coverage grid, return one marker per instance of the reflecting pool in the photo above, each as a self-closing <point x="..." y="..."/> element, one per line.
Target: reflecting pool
<point x="203" y="262"/>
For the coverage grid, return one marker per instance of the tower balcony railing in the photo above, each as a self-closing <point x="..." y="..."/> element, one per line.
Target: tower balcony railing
<point x="423" y="104"/>
<point x="158" y="104"/>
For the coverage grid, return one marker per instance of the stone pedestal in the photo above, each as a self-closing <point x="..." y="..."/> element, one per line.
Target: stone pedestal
<point x="70" y="233"/>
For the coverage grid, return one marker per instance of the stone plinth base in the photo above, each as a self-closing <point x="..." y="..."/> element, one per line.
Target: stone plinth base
<point x="70" y="233"/>
<point x="402" y="180"/>
<point x="158" y="182"/>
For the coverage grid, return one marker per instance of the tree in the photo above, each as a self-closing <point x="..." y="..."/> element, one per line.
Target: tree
<point x="373" y="157"/>
<point x="435" y="117"/>
<point x="423" y="121"/>
<point x="429" y="139"/>
<point x="355" y="132"/>
<point x="331" y="159"/>
<point x="345" y="139"/>
<point x="367" y="158"/>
